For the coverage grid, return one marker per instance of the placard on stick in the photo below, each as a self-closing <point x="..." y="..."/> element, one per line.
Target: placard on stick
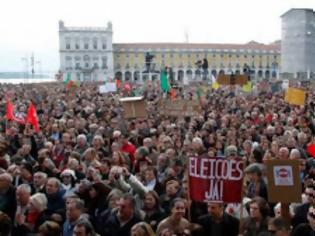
<point x="134" y="107"/>
<point x="284" y="183"/>
<point x="232" y="79"/>
<point x="180" y="108"/>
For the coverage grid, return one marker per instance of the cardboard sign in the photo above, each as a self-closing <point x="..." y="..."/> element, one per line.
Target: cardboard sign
<point x="180" y="108"/>
<point x="283" y="177"/>
<point x="295" y="96"/>
<point x="108" y="88"/>
<point x="215" y="179"/>
<point x="232" y="79"/>
<point x="134" y="107"/>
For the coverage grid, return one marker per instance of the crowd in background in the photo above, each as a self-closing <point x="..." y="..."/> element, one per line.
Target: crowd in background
<point x="89" y="171"/>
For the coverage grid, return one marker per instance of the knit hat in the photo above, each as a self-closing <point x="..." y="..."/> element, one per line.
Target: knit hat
<point x="68" y="172"/>
<point x="39" y="201"/>
<point x="231" y="150"/>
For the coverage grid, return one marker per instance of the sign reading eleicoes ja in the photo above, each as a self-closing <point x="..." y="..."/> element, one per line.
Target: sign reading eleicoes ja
<point x="215" y="179"/>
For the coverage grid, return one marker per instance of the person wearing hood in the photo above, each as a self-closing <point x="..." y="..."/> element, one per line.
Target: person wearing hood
<point x="68" y="181"/>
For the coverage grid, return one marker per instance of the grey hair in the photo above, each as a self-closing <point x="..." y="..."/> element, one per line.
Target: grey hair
<point x="43" y="174"/>
<point x="83" y="136"/>
<point x="7" y="177"/>
<point x="57" y="181"/>
<point x="25" y="187"/>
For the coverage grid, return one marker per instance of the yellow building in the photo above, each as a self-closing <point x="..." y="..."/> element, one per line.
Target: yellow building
<point x="129" y="60"/>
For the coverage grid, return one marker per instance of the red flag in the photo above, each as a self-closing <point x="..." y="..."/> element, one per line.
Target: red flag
<point x="311" y="150"/>
<point x="173" y="94"/>
<point x="127" y="87"/>
<point x="117" y="83"/>
<point x="32" y="117"/>
<point x="9" y="109"/>
<point x="69" y="84"/>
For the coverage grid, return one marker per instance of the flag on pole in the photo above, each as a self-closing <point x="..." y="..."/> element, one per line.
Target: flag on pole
<point x="9" y="110"/>
<point x="165" y="86"/>
<point x="118" y="83"/>
<point x="67" y="79"/>
<point x="173" y="94"/>
<point x="32" y="117"/>
<point x="215" y="85"/>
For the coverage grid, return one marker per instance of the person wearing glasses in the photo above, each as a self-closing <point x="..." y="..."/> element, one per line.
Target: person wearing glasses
<point x="300" y="215"/>
<point x="307" y="229"/>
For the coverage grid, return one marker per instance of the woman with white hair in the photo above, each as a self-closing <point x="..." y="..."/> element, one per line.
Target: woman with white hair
<point x="35" y="216"/>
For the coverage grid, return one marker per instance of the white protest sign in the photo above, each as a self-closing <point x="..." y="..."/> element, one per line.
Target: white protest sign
<point x="107" y="88"/>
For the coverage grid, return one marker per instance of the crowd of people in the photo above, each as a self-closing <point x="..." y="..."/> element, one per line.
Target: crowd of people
<point x="89" y="171"/>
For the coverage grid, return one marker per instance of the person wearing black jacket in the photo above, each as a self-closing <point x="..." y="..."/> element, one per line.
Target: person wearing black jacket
<point x="217" y="222"/>
<point x="121" y="221"/>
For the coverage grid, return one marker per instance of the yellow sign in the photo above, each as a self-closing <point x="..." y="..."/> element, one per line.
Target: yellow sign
<point x="247" y="87"/>
<point x="295" y="96"/>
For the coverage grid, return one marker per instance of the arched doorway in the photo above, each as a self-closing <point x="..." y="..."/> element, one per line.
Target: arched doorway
<point x="221" y="72"/>
<point x="267" y="74"/>
<point x="118" y="75"/>
<point x="214" y="73"/>
<point x="180" y="75"/>
<point x="136" y="76"/>
<point x="274" y="74"/>
<point x="127" y="76"/>
<point x="260" y="74"/>
<point x="198" y="74"/>
<point x="189" y="74"/>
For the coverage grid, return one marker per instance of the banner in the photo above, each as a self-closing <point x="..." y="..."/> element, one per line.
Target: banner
<point x="295" y="96"/>
<point x="215" y="179"/>
<point x="107" y="88"/>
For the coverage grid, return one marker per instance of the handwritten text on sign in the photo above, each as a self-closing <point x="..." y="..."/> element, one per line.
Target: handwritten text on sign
<point x="215" y="179"/>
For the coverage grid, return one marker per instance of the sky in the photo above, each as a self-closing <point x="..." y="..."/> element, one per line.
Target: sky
<point x="32" y="25"/>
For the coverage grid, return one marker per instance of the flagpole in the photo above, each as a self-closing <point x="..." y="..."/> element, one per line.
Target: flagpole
<point x="188" y="193"/>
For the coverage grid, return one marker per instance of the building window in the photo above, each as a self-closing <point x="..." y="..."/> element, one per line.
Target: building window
<point x="86" y="44"/>
<point x="245" y="56"/>
<point x="77" y="45"/>
<point x="95" y="43"/>
<point x="275" y="57"/>
<point x="95" y="65"/>
<point x="222" y="55"/>
<point x="127" y="55"/>
<point x="68" y="43"/>
<point x="104" y="44"/>
<point x="213" y="55"/>
<point x="77" y="65"/>
<point x="230" y="55"/>
<point x="86" y="64"/>
<point x="104" y="62"/>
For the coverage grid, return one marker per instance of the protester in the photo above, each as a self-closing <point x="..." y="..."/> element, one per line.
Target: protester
<point x="78" y="144"/>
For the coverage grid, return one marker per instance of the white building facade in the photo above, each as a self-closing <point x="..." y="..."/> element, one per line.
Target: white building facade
<point x="86" y="53"/>
<point x="298" y="43"/>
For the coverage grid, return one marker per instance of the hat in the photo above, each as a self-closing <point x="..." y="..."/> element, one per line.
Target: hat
<point x="253" y="168"/>
<point x="68" y="172"/>
<point x="39" y="201"/>
<point x="231" y="150"/>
